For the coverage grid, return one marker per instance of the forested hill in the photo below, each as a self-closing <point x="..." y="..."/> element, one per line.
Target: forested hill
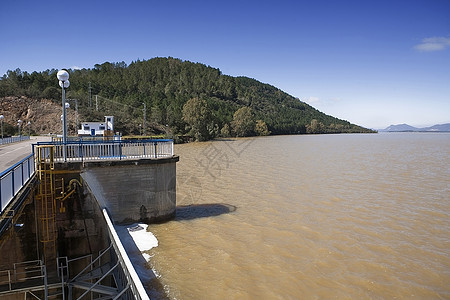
<point x="181" y="97"/>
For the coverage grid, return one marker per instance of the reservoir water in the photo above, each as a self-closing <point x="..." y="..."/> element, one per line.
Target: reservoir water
<point x="310" y="217"/>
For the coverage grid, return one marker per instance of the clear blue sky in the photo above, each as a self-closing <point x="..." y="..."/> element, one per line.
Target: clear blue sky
<point x="374" y="63"/>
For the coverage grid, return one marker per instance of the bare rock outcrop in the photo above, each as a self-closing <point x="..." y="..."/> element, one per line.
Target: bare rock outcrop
<point x="44" y="115"/>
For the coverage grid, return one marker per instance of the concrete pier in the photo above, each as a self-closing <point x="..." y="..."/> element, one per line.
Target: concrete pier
<point x="132" y="191"/>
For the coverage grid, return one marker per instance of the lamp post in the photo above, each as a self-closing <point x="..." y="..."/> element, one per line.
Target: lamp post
<point x="63" y="77"/>
<point x="29" y="128"/>
<point x="1" y="120"/>
<point x="19" y="122"/>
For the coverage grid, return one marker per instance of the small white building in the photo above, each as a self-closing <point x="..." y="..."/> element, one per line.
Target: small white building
<point x="97" y="128"/>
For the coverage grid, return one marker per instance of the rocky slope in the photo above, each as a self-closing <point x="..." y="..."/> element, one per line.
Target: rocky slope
<point x="44" y="115"/>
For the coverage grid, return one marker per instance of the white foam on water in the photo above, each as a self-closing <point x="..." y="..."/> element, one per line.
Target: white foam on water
<point x="137" y="234"/>
<point x="146" y="256"/>
<point x="143" y="239"/>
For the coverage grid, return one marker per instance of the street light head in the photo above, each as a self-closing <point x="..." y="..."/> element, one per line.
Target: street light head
<point x="62" y="75"/>
<point x="67" y="105"/>
<point x="64" y="84"/>
<point x="2" y="117"/>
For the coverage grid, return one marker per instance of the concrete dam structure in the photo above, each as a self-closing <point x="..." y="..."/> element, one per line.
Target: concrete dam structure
<point x="134" y="191"/>
<point x="57" y="235"/>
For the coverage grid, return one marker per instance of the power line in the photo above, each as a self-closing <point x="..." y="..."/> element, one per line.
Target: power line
<point x="119" y="103"/>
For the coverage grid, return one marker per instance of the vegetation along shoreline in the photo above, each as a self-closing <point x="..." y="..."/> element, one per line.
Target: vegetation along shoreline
<point x="171" y="97"/>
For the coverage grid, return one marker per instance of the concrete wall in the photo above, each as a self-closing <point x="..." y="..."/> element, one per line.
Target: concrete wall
<point x="134" y="191"/>
<point x="19" y="242"/>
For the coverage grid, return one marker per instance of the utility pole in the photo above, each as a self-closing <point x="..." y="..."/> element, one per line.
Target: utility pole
<point x="90" y="95"/>
<point x="145" y="114"/>
<point x="96" y="102"/>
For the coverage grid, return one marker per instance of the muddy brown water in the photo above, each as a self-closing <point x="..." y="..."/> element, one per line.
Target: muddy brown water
<point x="310" y="217"/>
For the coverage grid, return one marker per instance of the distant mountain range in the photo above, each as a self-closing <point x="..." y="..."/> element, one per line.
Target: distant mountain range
<point x="409" y="128"/>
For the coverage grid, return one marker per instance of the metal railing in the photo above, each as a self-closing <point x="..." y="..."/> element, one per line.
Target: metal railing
<point x="23" y="275"/>
<point x="32" y="276"/>
<point x="13" y="179"/>
<point x="111" y="150"/>
<point x="127" y="282"/>
<point x="128" y="272"/>
<point x="13" y="139"/>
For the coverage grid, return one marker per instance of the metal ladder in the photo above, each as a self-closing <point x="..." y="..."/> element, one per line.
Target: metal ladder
<point x="45" y="201"/>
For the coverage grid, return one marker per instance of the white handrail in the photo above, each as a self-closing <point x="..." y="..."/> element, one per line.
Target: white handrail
<point x="132" y="277"/>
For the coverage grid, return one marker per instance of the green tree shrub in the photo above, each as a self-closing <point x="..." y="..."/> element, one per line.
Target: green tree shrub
<point x="243" y="123"/>
<point x="199" y="119"/>
<point x="261" y="128"/>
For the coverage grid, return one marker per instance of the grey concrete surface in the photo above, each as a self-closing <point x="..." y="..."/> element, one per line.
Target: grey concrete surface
<point x="134" y="191"/>
<point x="11" y="154"/>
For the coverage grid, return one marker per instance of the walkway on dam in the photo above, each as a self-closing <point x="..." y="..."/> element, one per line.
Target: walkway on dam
<point x="11" y="154"/>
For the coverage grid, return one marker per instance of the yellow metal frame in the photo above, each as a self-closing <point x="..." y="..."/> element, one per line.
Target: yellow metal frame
<point x="66" y="194"/>
<point x="50" y="192"/>
<point x="45" y="199"/>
